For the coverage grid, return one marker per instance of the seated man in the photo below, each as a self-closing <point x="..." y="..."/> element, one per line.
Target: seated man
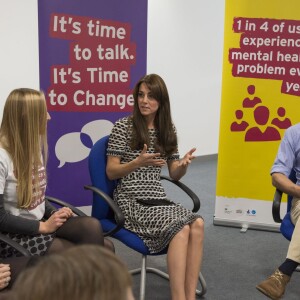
<point x="288" y="158"/>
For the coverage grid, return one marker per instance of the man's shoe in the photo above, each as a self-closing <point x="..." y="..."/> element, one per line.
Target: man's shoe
<point x="274" y="286"/>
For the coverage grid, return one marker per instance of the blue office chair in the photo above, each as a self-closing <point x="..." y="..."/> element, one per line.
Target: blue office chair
<point x="112" y="219"/>
<point x="286" y="225"/>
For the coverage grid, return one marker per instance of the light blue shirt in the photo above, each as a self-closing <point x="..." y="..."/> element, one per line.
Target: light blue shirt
<point x="288" y="156"/>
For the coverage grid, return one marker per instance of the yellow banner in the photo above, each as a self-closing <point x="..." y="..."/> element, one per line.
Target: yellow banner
<point x="260" y="99"/>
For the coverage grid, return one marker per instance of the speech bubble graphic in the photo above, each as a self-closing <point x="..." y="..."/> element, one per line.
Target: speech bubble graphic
<point x="97" y="129"/>
<point x="86" y="140"/>
<point x="69" y="148"/>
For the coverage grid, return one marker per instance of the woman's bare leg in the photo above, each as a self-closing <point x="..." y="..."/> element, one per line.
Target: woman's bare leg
<point x="194" y="258"/>
<point x="176" y="259"/>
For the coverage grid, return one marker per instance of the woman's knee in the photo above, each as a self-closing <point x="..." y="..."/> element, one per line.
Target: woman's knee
<point x="82" y="230"/>
<point x="184" y="232"/>
<point x="89" y="228"/>
<point x="198" y="226"/>
<point x="91" y="224"/>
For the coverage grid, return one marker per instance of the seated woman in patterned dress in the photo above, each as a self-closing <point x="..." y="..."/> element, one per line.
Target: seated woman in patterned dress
<point x="25" y="216"/>
<point x="139" y="145"/>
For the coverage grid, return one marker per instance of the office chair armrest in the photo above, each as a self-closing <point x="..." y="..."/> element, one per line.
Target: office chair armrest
<point x="187" y="190"/>
<point x="75" y="210"/>
<point x="276" y="206"/>
<point x="119" y="217"/>
<point x="14" y="245"/>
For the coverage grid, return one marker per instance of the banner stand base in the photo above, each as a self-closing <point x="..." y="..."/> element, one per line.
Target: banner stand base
<point x="245" y="225"/>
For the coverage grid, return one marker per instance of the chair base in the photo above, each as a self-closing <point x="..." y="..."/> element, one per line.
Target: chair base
<point x="144" y="269"/>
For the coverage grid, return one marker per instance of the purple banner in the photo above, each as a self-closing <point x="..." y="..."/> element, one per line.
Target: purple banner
<point x="92" y="52"/>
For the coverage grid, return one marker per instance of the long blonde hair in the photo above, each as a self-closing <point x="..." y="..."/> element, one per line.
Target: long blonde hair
<point x="23" y="134"/>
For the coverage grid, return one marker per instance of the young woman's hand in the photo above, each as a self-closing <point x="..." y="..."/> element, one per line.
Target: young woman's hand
<point x="67" y="211"/>
<point x="187" y="159"/>
<point x="149" y="159"/>
<point x="56" y="220"/>
<point x="4" y="275"/>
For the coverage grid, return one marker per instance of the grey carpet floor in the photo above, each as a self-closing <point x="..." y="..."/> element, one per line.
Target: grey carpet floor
<point x="233" y="262"/>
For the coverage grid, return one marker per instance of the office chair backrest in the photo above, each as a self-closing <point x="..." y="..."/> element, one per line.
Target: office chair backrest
<point x="287" y="227"/>
<point x="97" y="168"/>
<point x="293" y="178"/>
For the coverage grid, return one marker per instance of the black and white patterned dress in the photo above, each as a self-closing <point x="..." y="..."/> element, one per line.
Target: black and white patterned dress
<point x="155" y="224"/>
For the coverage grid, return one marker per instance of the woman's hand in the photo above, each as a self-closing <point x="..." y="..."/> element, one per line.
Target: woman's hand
<point x="4" y="275"/>
<point x="115" y="169"/>
<point x="177" y="168"/>
<point x="56" y="220"/>
<point x="149" y="159"/>
<point x="67" y="211"/>
<point x="187" y="159"/>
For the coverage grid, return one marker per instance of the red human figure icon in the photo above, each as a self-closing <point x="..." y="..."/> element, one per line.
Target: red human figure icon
<point x="281" y="122"/>
<point x="251" y="102"/>
<point x="256" y="134"/>
<point x="239" y="125"/>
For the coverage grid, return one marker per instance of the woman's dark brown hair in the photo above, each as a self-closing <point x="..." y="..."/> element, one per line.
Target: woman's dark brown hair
<point x="166" y="142"/>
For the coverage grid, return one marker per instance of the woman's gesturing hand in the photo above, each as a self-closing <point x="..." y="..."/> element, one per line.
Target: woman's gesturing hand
<point x="187" y="159"/>
<point x="149" y="159"/>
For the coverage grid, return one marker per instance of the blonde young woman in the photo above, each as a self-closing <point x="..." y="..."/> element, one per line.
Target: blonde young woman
<point x="25" y="216"/>
<point x="139" y="145"/>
